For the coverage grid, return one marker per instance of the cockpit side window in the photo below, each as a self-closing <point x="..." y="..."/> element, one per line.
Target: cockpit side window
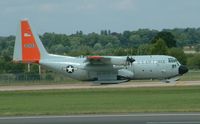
<point x="172" y="60"/>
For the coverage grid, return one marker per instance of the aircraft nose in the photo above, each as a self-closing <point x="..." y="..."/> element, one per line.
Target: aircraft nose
<point x="182" y="69"/>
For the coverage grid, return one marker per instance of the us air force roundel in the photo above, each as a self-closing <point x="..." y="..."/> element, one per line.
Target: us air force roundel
<point x="70" y="69"/>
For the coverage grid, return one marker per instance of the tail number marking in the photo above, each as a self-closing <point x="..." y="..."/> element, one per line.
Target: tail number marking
<point x="29" y="45"/>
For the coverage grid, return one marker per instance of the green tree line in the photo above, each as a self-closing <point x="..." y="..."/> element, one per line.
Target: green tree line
<point x="140" y="42"/>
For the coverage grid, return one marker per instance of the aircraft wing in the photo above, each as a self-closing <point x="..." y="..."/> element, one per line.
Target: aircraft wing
<point x="106" y="60"/>
<point x="98" y="60"/>
<point x="109" y="68"/>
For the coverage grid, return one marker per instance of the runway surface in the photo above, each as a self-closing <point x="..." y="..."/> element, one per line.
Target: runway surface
<point x="151" y="118"/>
<point x="87" y="85"/>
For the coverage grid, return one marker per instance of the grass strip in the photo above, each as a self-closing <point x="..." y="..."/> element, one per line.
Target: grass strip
<point x="98" y="101"/>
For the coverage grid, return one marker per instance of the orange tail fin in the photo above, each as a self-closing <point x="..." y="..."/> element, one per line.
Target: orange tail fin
<point x="30" y="51"/>
<point x="28" y="47"/>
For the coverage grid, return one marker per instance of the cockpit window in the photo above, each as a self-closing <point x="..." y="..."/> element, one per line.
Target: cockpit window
<point x="172" y="60"/>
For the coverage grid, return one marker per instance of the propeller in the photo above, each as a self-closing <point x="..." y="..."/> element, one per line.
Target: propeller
<point x="130" y="60"/>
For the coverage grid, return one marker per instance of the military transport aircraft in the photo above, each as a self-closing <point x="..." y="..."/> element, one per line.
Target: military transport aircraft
<point x="98" y="69"/>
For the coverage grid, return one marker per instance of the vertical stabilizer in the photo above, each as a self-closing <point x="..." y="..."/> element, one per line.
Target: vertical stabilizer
<point x="28" y="47"/>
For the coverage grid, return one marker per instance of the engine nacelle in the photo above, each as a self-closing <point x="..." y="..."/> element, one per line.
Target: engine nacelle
<point x="125" y="73"/>
<point x="118" y="60"/>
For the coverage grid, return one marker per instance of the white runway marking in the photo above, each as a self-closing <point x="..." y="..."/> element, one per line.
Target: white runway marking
<point x="137" y="118"/>
<point x="191" y="122"/>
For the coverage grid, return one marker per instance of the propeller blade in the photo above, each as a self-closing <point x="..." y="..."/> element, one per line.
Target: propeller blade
<point x="130" y="59"/>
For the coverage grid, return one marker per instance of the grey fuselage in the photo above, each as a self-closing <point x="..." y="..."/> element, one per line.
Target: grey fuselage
<point x="144" y="67"/>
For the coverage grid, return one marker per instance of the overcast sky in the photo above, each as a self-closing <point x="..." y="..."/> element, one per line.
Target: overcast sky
<point x="68" y="16"/>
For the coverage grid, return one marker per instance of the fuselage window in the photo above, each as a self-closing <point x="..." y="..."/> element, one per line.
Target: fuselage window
<point x="161" y="61"/>
<point x="173" y="66"/>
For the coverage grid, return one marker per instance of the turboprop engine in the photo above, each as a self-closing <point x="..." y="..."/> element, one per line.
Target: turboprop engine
<point x="124" y="73"/>
<point x="122" y="60"/>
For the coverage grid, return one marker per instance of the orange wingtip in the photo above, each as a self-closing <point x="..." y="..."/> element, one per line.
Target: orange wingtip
<point x="95" y="57"/>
